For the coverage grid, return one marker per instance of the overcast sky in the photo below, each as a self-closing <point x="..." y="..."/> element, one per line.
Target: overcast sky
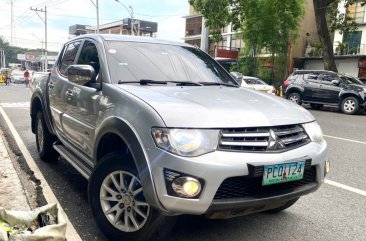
<point x="29" y="28"/>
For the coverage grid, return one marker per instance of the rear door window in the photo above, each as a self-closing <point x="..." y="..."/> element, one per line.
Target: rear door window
<point x="312" y="77"/>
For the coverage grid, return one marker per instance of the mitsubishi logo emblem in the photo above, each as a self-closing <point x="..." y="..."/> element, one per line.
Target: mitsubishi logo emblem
<point x="274" y="142"/>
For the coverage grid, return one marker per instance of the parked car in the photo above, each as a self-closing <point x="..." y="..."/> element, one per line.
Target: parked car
<point x="17" y="76"/>
<point x="239" y="78"/>
<point x="160" y="129"/>
<point x="320" y="87"/>
<point x="259" y="84"/>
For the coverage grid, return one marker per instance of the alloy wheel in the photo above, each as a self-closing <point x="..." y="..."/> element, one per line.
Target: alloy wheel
<point x="122" y="201"/>
<point x="294" y="98"/>
<point x="349" y="105"/>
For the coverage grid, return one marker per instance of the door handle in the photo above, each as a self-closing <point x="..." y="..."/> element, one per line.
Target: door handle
<point x="51" y="85"/>
<point x="69" y="94"/>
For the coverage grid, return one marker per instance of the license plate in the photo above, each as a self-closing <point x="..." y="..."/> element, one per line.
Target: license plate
<point x="280" y="173"/>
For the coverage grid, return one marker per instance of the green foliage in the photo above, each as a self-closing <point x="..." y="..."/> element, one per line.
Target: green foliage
<point x="11" y="51"/>
<point x="264" y="25"/>
<point x="341" y="21"/>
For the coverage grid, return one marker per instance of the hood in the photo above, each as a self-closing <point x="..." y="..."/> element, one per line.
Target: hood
<point x="356" y="86"/>
<point x="218" y="107"/>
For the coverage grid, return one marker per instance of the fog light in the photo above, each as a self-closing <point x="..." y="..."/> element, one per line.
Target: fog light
<point x="327" y="166"/>
<point x="186" y="186"/>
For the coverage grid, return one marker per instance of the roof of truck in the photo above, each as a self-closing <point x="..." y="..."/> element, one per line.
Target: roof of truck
<point x="128" y="38"/>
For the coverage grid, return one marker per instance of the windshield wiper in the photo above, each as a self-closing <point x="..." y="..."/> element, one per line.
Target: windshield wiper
<point x="148" y="81"/>
<point x="218" y="84"/>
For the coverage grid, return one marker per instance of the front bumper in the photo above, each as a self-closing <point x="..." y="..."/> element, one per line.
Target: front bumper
<point x="215" y="167"/>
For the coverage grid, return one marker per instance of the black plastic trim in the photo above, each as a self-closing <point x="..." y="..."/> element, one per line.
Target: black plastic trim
<point x="232" y="204"/>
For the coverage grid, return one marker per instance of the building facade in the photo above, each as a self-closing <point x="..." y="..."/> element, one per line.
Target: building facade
<point x="126" y="26"/>
<point x="349" y="49"/>
<point x="198" y="34"/>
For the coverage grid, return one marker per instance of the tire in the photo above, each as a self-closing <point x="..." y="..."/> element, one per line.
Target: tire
<point x="316" y="106"/>
<point x="129" y="216"/>
<point x="286" y="206"/>
<point x="295" y="97"/>
<point x="44" y="140"/>
<point x="350" y="105"/>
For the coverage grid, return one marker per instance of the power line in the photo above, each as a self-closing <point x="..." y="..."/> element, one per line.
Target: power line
<point x="30" y="40"/>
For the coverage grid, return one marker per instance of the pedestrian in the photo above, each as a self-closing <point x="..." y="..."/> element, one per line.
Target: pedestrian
<point x="6" y="76"/>
<point x="26" y="78"/>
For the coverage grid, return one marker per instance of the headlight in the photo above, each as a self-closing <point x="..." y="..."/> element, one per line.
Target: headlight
<point x="186" y="142"/>
<point x="314" y="132"/>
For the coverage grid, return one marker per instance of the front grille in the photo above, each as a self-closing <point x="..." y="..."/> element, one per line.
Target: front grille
<point x="251" y="187"/>
<point x="263" y="139"/>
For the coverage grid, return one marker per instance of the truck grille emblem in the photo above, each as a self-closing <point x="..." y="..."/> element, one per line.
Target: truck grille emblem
<point x="274" y="142"/>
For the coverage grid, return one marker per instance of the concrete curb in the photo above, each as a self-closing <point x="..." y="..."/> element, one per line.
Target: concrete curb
<point x="12" y="193"/>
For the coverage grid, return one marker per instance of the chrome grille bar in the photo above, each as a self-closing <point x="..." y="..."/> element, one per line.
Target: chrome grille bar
<point x="256" y="139"/>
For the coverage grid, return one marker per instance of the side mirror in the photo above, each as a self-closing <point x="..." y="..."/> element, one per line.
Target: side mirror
<point x="81" y="74"/>
<point x="335" y="82"/>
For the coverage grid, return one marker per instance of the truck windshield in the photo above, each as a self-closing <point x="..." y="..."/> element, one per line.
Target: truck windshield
<point x="350" y="80"/>
<point x="135" y="61"/>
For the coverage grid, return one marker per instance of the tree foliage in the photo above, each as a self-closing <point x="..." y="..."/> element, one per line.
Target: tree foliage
<point x="266" y="26"/>
<point x="12" y="51"/>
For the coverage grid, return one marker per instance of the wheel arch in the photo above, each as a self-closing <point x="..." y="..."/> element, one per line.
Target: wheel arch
<point x="38" y="105"/>
<point x="344" y="95"/>
<point x="291" y="90"/>
<point x="120" y="132"/>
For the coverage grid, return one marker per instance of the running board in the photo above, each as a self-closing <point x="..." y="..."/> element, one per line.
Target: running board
<point x="75" y="161"/>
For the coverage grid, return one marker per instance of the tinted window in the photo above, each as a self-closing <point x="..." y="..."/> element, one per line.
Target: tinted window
<point x="311" y="76"/>
<point x="327" y="78"/>
<point x="89" y="56"/>
<point x="255" y="82"/>
<point x="132" y="61"/>
<point x="68" y="57"/>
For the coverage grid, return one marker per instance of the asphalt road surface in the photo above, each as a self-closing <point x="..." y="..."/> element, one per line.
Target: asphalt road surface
<point x="337" y="211"/>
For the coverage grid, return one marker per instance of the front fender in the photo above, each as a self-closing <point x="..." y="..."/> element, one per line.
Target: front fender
<point x="352" y="93"/>
<point x="126" y="132"/>
<point x="291" y="89"/>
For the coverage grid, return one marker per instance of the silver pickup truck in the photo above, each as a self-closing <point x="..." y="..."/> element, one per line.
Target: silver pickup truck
<point x="160" y="129"/>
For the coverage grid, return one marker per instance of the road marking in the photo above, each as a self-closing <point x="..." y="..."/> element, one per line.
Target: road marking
<point x="345" y="187"/>
<point x="344" y="139"/>
<point x="50" y="197"/>
<point x="15" y="105"/>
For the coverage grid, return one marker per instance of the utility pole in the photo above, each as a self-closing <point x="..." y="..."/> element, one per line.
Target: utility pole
<point x="130" y="12"/>
<point x="97" y="16"/>
<point x="45" y="32"/>
<point x="42" y="62"/>
<point x="96" y="4"/>
<point x="132" y="22"/>
<point x="12" y="24"/>
<point x="1" y="57"/>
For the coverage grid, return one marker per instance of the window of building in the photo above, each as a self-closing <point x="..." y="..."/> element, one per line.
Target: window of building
<point x="357" y="12"/>
<point x="353" y="41"/>
<point x="194" y="26"/>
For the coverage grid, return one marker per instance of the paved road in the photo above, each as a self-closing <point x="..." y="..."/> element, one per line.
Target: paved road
<point x="332" y="213"/>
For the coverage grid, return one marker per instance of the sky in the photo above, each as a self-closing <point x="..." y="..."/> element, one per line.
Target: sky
<point x="30" y="28"/>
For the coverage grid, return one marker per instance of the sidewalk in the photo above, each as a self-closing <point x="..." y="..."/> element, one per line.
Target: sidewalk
<point x="12" y="194"/>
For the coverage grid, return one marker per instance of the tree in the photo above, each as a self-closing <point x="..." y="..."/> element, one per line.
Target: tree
<point x="265" y="26"/>
<point x="327" y="13"/>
